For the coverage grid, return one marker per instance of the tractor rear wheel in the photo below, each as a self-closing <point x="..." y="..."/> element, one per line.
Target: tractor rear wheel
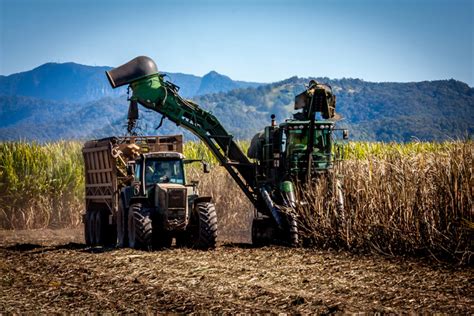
<point x="203" y="232"/>
<point x="139" y="227"/>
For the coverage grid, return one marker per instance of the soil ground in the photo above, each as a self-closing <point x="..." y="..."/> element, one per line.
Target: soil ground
<point x="53" y="271"/>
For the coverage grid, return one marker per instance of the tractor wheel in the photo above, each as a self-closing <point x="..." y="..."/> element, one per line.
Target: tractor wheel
<point x="139" y="227"/>
<point x="88" y="229"/>
<point x="203" y="233"/>
<point x="122" y="219"/>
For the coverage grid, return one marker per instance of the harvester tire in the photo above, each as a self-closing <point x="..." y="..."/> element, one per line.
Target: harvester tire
<point x="122" y="218"/>
<point x="204" y="232"/>
<point x="294" y="238"/>
<point x="139" y="228"/>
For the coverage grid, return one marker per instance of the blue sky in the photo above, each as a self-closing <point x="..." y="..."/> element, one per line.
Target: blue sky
<point x="265" y="41"/>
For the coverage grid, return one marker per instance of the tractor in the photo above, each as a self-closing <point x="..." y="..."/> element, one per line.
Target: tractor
<point x="137" y="195"/>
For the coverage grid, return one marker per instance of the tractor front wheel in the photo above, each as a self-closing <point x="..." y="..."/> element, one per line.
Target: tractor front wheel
<point x="203" y="232"/>
<point x="139" y="227"/>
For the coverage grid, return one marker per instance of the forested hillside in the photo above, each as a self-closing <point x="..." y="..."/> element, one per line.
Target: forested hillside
<point x="46" y="104"/>
<point x="429" y="110"/>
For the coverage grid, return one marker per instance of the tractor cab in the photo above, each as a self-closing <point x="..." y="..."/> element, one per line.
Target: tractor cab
<point x="158" y="168"/>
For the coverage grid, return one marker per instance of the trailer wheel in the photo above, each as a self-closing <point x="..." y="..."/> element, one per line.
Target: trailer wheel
<point x="93" y="228"/>
<point x="122" y="218"/>
<point x="98" y="228"/>
<point x="203" y="232"/>
<point x="139" y="227"/>
<point x="88" y="229"/>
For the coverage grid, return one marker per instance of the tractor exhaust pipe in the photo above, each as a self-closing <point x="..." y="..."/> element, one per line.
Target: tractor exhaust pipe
<point x="135" y="69"/>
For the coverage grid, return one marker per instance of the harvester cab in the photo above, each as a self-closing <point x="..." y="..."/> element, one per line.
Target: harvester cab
<point x="296" y="136"/>
<point x="301" y="148"/>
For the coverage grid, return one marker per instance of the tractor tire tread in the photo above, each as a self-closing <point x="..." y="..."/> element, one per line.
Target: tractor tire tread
<point x="207" y="226"/>
<point x="143" y="227"/>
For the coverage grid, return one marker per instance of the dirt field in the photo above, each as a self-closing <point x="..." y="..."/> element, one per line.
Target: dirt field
<point x="52" y="271"/>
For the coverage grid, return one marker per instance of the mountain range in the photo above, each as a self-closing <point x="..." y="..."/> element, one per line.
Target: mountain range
<point x="72" y="101"/>
<point x="80" y="83"/>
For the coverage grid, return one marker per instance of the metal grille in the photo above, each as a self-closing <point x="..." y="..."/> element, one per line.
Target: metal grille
<point x="176" y="199"/>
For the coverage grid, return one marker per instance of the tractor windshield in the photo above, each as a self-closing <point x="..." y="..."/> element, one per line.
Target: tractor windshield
<point x="164" y="171"/>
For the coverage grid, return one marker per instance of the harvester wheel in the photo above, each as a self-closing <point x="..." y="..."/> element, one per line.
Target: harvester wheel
<point x="203" y="233"/>
<point x="139" y="227"/>
<point x="294" y="238"/>
<point x="122" y="236"/>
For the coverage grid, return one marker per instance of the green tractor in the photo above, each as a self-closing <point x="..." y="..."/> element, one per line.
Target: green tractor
<point x="137" y="195"/>
<point x="296" y="152"/>
<point x="162" y="206"/>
